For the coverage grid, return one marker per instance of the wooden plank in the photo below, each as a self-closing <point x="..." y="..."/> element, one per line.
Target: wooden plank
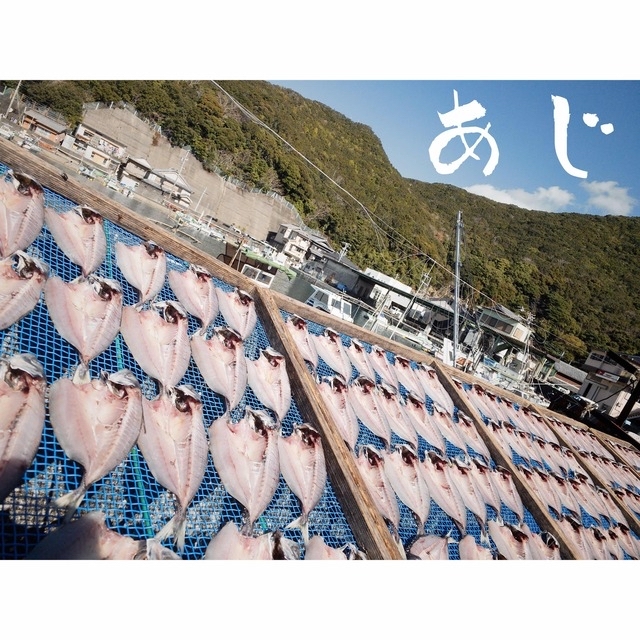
<point x="367" y="525"/>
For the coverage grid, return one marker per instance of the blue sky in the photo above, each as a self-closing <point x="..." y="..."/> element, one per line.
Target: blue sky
<point x="404" y="115"/>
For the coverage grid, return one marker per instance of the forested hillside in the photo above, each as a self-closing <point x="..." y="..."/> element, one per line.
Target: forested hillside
<point x="578" y="274"/>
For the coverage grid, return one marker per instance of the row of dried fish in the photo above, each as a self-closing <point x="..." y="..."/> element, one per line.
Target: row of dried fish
<point x="558" y="479"/>
<point x="499" y="410"/>
<point x="231" y="544"/>
<point x="630" y="455"/>
<point x="399" y="375"/>
<point x="536" y="452"/>
<point x="511" y="543"/>
<point x="581" y="439"/>
<point x="22" y="277"/>
<point x="600" y="543"/>
<point x="98" y="421"/>
<point x="89" y="538"/>
<point x="384" y="412"/>
<point x="462" y="489"/>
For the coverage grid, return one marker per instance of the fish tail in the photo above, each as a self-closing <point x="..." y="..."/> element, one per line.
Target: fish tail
<point x="70" y="501"/>
<point x="301" y="523"/>
<point x="176" y="528"/>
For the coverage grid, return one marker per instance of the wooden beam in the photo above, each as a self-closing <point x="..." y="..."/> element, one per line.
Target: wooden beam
<point x="367" y="525"/>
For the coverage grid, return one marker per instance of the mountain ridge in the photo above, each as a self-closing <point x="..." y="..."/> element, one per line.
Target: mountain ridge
<point x="576" y="273"/>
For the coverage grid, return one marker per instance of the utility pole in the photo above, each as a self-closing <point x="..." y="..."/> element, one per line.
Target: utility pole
<point x="13" y="97"/>
<point x="343" y="252"/>
<point x="456" y="312"/>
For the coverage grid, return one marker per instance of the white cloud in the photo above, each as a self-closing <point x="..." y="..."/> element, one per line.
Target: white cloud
<point x="607" y="198"/>
<point x="553" y="199"/>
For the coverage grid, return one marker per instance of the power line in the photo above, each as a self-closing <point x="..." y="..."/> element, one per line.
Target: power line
<point x="390" y="232"/>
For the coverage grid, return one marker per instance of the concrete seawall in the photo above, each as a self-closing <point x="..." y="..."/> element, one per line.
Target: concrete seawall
<point x="254" y="213"/>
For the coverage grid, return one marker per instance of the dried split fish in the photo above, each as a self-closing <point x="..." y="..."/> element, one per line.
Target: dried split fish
<point x="96" y="423"/>
<point x="22" y="280"/>
<point x="79" y="232"/>
<point x="22" y="413"/>
<point x="174" y="444"/>
<point x="21" y="212"/>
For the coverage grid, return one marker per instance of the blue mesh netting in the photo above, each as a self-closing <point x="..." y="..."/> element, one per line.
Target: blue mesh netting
<point x="438" y="523"/>
<point x="135" y="504"/>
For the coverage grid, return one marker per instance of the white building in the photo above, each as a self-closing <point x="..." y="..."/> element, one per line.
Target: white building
<point x="608" y="383"/>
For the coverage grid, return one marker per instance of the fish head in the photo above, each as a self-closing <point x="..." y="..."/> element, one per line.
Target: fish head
<point x="228" y="336"/>
<point x="297" y="322"/>
<point x="505" y="473"/>
<point x="260" y="422"/>
<point x="460" y="465"/>
<point x="527" y="472"/>
<point x="332" y="335"/>
<point x="26" y="184"/>
<point x="358" y="346"/>
<point x="171" y="311"/>
<point x="543" y="475"/>
<point x="121" y="382"/>
<point x="550" y="540"/>
<point x="408" y="454"/>
<point x="352" y="552"/>
<point x="465" y="419"/>
<point x="378" y="352"/>
<point x="366" y="385"/>
<point x="185" y="398"/>
<point x="387" y="391"/>
<point x="518" y="534"/>
<point x="338" y="384"/>
<point x="436" y="460"/>
<point x="273" y="357"/>
<point x="402" y="362"/>
<point x="200" y="272"/>
<point x="244" y="298"/>
<point x="572" y="521"/>
<point x="415" y="400"/>
<point x="431" y="372"/>
<point x="309" y="435"/>
<point x="21" y="371"/>
<point x="481" y="465"/>
<point x="88" y="215"/>
<point x="371" y="455"/>
<point x="27" y="266"/>
<point x="282" y="548"/>
<point x="105" y="288"/>
<point x="153" y="250"/>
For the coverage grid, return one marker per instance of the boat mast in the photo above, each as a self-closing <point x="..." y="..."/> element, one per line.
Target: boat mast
<point x="456" y="313"/>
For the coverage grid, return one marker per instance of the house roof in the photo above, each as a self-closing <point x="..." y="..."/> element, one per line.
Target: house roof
<point x="46" y="122"/>
<point x="503" y="311"/>
<point x="173" y="177"/>
<point x="569" y="371"/>
<point x="141" y="162"/>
